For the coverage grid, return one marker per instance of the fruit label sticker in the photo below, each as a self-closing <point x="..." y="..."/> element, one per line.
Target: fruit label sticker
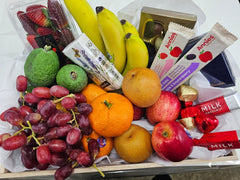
<point x="210" y="46"/>
<point x="174" y="41"/>
<point x="83" y="52"/>
<point x="102" y="141"/>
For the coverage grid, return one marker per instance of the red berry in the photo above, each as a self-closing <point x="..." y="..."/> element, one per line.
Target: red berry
<point x="85" y="159"/>
<point x="32" y="41"/>
<point x="13" y="117"/>
<point x="21" y="83"/>
<point x="31" y="98"/>
<point x="27" y="24"/>
<point x="37" y="14"/>
<point x="73" y="136"/>
<point x="12" y="108"/>
<point x="3" y="137"/>
<point x="56" y="14"/>
<point x="25" y="110"/>
<point x="42" y="31"/>
<point x="14" y="142"/>
<point x="58" y="91"/>
<point x="57" y="145"/>
<point x="43" y="154"/>
<point x="68" y="103"/>
<point x="67" y="36"/>
<point x="42" y="92"/>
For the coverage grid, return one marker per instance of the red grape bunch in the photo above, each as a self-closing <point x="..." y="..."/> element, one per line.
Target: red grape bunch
<point x="50" y="123"/>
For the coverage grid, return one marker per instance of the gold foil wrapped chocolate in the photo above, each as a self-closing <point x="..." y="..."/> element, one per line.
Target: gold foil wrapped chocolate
<point x="187" y="93"/>
<point x="188" y="122"/>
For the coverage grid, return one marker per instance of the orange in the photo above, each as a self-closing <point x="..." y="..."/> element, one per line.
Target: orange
<point x="105" y="143"/>
<point x="112" y="114"/>
<point x="91" y="91"/>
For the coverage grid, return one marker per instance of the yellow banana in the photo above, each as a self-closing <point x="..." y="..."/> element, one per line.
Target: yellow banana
<point x="137" y="53"/>
<point x="128" y="27"/>
<point x="86" y="19"/>
<point x="113" y="37"/>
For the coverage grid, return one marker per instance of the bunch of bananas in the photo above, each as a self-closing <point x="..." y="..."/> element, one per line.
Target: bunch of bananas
<point x="118" y="40"/>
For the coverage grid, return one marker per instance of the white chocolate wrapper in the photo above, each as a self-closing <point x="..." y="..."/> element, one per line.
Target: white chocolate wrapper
<point x="84" y="53"/>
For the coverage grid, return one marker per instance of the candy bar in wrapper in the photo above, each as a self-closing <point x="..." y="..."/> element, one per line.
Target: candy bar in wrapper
<point x="83" y="52"/>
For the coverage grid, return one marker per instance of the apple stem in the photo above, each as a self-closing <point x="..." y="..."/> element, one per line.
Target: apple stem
<point x="108" y="104"/>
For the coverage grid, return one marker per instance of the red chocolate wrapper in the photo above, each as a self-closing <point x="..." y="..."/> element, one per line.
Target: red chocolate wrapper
<point x="219" y="140"/>
<point x="215" y="106"/>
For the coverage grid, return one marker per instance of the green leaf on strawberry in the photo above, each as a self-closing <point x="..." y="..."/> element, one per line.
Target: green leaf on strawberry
<point x="45" y="12"/>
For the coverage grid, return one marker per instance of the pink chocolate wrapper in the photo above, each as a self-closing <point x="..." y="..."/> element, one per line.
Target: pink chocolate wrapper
<point x="171" y="48"/>
<point x="210" y="46"/>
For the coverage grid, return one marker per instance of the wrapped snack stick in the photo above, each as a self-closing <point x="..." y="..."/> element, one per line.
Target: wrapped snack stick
<point x="210" y="46"/>
<point x="171" y="48"/>
<point x="219" y="140"/>
<point x="83" y="52"/>
<point x="216" y="106"/>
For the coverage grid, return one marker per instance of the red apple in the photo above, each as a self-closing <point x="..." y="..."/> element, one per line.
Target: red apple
<point x="166" y="108"/>
<point x="138" y="112"/>
<point x="171" y="142"/>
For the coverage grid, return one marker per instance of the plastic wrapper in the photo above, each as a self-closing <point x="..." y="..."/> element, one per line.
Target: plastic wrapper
<point x="44" y="22"/>
<point x="132" y="11"/>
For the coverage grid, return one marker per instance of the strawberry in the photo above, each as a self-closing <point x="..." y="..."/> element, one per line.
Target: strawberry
<point x="44" y="31"/>
<point x="27" y="24"/>
<point x="32" y="41"/>
<point x="56" y="14"/>
<point x="67" y="36"/>
<point x="39" y="15"/>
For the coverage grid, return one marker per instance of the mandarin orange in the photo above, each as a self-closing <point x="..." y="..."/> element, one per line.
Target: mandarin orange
<point x="112" y="114"/>
<point x="105" y="143"/>
<point x="91" y="91"/>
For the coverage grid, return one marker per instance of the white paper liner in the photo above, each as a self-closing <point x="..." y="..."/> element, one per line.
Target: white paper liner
<point x="9" y="96"/>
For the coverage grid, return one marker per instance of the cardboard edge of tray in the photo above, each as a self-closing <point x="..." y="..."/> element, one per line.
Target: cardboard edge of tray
<point x="122" y="167"/>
